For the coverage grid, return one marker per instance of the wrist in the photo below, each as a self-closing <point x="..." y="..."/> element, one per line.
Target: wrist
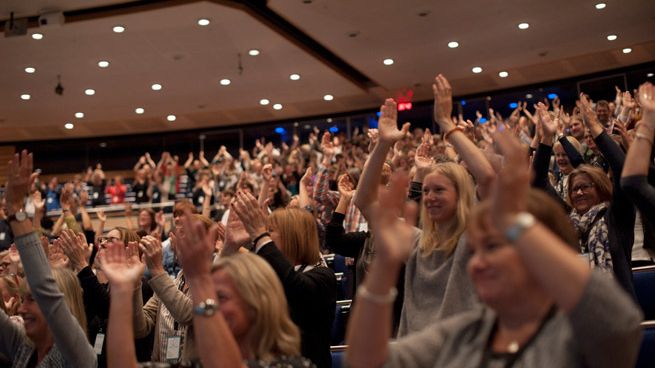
<point x="157" y="270"/>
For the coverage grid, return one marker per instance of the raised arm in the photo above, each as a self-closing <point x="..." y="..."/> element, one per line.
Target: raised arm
<point x="388" y="134"/>
<point x="123" y="276"/>
<point x="217" y="346"/>
<point x="67" y="333"/>
<point x="475" y="160"/>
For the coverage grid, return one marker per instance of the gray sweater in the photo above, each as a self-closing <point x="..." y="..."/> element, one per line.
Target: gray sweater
<point x="602" y="331"/>
<point x="71" y="347"/>
<point x="436" y="287"/>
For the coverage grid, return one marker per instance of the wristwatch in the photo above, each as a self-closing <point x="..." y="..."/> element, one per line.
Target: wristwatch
<point x="522" y="222"/>
<point x="19" y="216"/>
<point x="206" y="308"/>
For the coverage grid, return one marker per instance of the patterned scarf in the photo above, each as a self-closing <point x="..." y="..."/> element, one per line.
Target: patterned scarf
<point x="592" y="227"/>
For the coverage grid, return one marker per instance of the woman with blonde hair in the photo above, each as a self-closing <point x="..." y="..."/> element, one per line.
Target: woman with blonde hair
<point x="240" y="314"/>
<point x="59" y="340"/>
<point x="288" y="241"/>
<point x="435" y="285"/>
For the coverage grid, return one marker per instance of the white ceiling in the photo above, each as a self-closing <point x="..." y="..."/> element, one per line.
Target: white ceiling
<point x="165" y="45"/>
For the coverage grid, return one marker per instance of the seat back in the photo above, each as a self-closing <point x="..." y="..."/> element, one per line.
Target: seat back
<point x="338" y="353"/>
<point x="340" y="323"/>
<point x="644" y="282"/>
<point x="646" y="357"/>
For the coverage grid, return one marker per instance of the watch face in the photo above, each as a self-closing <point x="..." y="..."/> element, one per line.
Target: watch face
<point x="21" y="216"/>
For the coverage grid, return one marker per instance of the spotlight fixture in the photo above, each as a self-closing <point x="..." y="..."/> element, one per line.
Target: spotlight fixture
<point x="328" y="97"/>
<point x="79" y="115"/>
<point x="600" y="6"/>
<point x="264" y="101"/>
<point x="25" y="97"/>
<point x="253" y="52"/>
<point x="37" y="36"/>
<point x="69" y="126"/>
<point x="503" y="74"/>
<point x="30" y="70"/>
<point x="294" y="76"/>
<point x="171" y="118"/>
<point x="277" y="106"/>
<point x="203" y="22"/>
<point x="453" y="44"/>
<point x="627" y="50"/>
<point x="139" y="110"/>
<point x="89" y="91"/>
<point x="476" y="70"/>
<point x="225" y="82"/>
<point x="118" y="29"/>
<point x="156" y="87"/>
<point x="523" y="26"/>
<point x="387" y="62"/>
<point x="103" y="63"/>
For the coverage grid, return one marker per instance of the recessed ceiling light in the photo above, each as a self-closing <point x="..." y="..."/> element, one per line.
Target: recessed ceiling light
<point x="600" y="6"/>
<point x="264" y="101"/>
<point x="103" y="63"/>
<point x="203" y="22"/>
<point x="524" y="26"/>
<point x="649" y="75"/>
<point x="294" y="76"/>
<point x="277" y="106"/>
<point x="69" y="126"/>
<point x="89" y="91"/>
<point x="30" y="70"/>
<point x="627" y="50"/>
<point x="503" y="74"/>
<point x="139" y="110"/>
<point x="225" y="82"/>
<point x="611" y="37"/>
<point x="453" y="44"/>
<point x="476" y="70"/>
<point x="79" y="115"/>
<point x="25" y="97"/>
<point x="156" y="87"/>
<point x="387" y="61"/>
<point x="328" y="97"/>
<point x="253" y="52"/>
<point x="37" y="36"/>
<point x="171" y="117"/>
<point x="118" y="29"/>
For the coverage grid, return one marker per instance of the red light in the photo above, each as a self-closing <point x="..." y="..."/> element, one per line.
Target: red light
<point x="404" y="106"/>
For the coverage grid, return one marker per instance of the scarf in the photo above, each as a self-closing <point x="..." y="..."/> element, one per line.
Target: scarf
<point x="593" y="238"/>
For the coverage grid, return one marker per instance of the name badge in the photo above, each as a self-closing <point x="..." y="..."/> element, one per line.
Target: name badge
<point x="100" y="340"/>
<point x="95" y="195"/>
<point x="50" y="200"/>
<point x="140" y="194"/>
<point x="173" y="348"/>
<point x="201" y="199"/>
<point x="2" y="236"/>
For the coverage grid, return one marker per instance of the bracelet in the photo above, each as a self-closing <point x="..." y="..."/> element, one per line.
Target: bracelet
<point x="448" y="133"/>
<point x="259" y="237"/>
<point x="363" y="293"/>
<point x="643" y="136"/>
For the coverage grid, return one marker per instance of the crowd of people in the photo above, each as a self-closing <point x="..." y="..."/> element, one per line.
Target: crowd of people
<point x="504" y="243"/>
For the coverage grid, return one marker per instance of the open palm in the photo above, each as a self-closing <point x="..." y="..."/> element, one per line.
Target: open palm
<point x="116" y="267"/>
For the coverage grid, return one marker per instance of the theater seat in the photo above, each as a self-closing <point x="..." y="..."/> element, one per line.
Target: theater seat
<point x="647" y="351"/>
<point x="644" y="282"/>
<point x="338" y="353"/>
<point x="341" y="315"/>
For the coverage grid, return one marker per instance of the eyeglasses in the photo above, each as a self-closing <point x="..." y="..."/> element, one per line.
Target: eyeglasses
<point x="108" y="239"/>
<point x="582" y="187"/>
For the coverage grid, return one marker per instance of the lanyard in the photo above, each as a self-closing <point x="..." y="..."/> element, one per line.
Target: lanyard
<point x="509" y="361"/>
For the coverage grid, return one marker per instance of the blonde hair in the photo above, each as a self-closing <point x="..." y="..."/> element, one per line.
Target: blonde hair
<point x="271" y="332"/>
<point x="447" y="238"/>
<point x="574" y="142"/>
<point x="298" y="235"/>
<point x="127" y="235"/>
<point x="69" y="285"/>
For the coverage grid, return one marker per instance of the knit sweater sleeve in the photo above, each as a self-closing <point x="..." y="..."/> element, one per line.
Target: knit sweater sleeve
<point x="178" y="303"/>
<point x="340" y="242"/>
<point x="67" y="333"/>
<point x="574" y="156"/>
<point x="11" y="337"/>
<point x="642" y="194"/>
<point x="606" y="324"/>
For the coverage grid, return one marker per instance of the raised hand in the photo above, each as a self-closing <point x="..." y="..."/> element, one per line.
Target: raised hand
<point x="647" y="97"/>
<point x="76" y="249"/>
<point x="101" y="216"/>
<point x="388" y="123"/>
<point x="19" y="180"/>
<point x="548" y="125"/>
<point x="236" y="235"/>
<point x="373" y="135"/>
<point x="422" y="159"/>
<point x="116" y="265"/>
<point x="443" y="103"/>
<point x="306" y="180"/>
<point x="509" y="196"/>
<point x="251" y="215"/>
<point x="326" y="145"/>
<point x="152" y="251"/>
<point x="267" y="172"/>
<point x="39" y="203"/>
<point x="393" y="236"/>
<point x="628" y="101"/>
<point x="345" y="186"/>
<point x="589" y="115"/>
<point x="195" y="247"/>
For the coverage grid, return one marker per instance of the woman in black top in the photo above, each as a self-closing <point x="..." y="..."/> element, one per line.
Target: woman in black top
<point x="288" y="241"/>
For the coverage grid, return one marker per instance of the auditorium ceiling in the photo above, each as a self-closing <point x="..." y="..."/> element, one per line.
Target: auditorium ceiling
<point x="343" y="55"/>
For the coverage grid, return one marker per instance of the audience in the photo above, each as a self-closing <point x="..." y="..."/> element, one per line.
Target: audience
<point x="488" y="268"/>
